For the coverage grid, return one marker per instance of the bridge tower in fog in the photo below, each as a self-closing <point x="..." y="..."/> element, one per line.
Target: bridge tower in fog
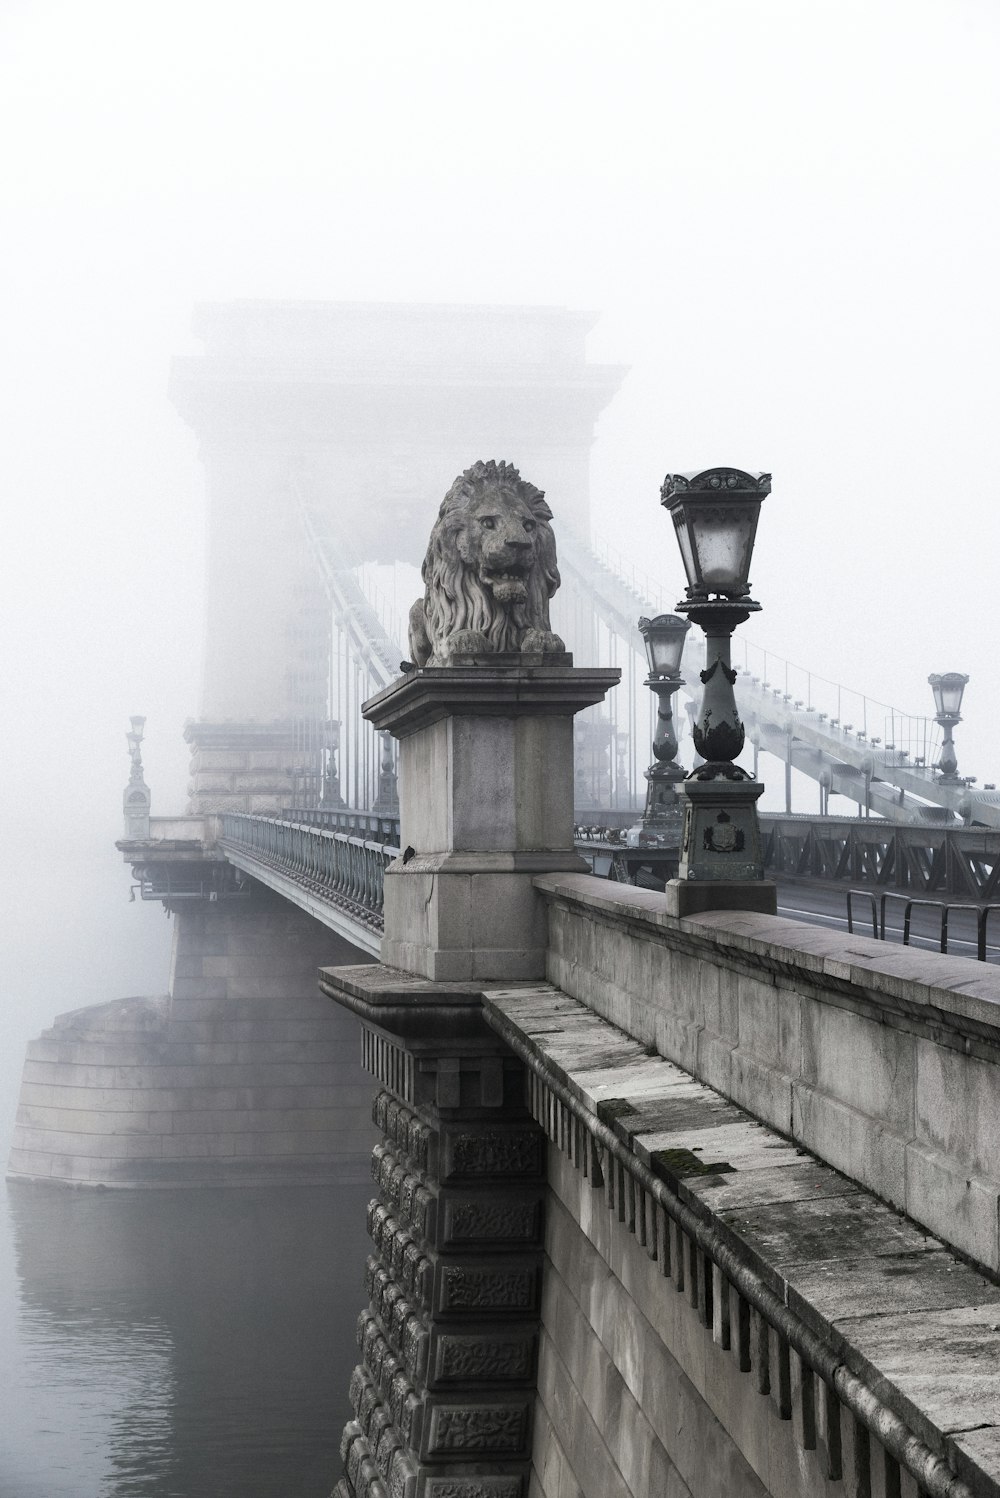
<point x="362" y="415"/>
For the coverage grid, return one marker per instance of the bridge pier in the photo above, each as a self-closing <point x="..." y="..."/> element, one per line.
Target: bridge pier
<point x="444" y="1392"/>
<point x="242" y="1075"/>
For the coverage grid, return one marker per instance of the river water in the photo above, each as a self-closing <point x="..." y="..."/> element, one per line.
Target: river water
<point x="176" y="1344"/>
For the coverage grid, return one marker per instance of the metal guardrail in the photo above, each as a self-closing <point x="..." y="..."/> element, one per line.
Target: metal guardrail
<point x="943" y="909"/>
<point x="340" y="867"/>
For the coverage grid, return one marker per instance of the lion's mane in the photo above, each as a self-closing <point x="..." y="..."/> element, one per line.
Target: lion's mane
<point x="456" y="597"/>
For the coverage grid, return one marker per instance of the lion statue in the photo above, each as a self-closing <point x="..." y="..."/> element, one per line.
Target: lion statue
<point x="489" y="571"/>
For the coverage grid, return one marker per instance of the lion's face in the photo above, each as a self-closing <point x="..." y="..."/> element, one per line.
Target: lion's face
<point x="498" y="539"/>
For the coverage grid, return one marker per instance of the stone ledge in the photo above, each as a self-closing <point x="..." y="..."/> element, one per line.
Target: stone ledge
<point x="918" y="1328"/>
<point x="936" y="987"/>
<point x="491" y="689"/>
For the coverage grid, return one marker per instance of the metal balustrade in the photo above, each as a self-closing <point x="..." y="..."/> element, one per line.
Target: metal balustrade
<point x="341" y="868"/>
<point x="366" y="824"/>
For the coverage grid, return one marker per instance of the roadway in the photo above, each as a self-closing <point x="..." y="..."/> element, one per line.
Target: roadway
<point x="826" y="905"/>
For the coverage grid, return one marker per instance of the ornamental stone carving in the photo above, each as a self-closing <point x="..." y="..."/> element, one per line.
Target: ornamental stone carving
<point x="489" y="572"/>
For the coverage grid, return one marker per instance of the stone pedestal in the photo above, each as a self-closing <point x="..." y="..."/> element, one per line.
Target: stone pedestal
<point x="486" y="798"/>
<point x="136" y="803"/>
<point x="444" y="1389"/>
<point x="722" y="858"/>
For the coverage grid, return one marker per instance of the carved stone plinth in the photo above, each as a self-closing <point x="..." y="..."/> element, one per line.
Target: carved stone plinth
<point x="486" y="795"/>
<point x="722" y="859"/>
<point x="444" y="1389"/>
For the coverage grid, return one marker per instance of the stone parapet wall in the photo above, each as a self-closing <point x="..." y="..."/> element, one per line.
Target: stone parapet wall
<point x="722" y="1314"/>
<point x="882" y="1061"/>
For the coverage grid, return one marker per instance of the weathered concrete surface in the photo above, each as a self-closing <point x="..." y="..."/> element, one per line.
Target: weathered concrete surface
<point x="920" y="1328"/>
<point x="883" y="1061"/>
<point x="243" y="1075"/>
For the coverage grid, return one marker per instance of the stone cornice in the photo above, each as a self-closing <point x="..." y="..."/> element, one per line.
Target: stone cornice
<point x="491" y="690"/>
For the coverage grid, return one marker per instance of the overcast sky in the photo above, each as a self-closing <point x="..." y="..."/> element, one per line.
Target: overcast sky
<point x="785" y="213"/>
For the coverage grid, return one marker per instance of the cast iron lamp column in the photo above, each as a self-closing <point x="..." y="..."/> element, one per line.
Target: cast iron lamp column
<point x="715" y="516"/>
<point x="136" y="800"/>
<point x="661" y="819"/>
<point x="948" y="691"/>
<point x="387" y="801"/>
<point x="331" y="797"/>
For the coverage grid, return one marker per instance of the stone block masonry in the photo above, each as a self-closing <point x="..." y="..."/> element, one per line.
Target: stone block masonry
<point x="444" y="1391"/>
<point x="883" y="1061"/>
<point x="722" y="1314"/>
<point x="244" y="1074"/>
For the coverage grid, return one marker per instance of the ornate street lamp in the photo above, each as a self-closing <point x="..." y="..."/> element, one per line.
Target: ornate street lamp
<point x="134" y="740"/>
<point x="386" y="803"/>
<point x="330" y="797"/>
<point x="136" y="799"/>
<point x="661" y="819"/>
<point x="715" y="515"/>
<point x="948" y="691"/>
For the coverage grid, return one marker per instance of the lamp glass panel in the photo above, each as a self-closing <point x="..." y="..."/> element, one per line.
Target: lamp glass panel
<point x="951" y="695"/>
<point x="664" y="647"/>
<point x="138" y="723"/>
<point x="723" y="535"/>
<point x="688" y="556"/>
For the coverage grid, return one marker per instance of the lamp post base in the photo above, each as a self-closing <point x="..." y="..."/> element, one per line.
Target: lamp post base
<point x="721" y="838"/>
<point x="693" y="896"/>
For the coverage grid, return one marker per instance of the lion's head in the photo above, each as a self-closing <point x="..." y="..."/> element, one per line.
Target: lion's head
<point x="490" y="568"/>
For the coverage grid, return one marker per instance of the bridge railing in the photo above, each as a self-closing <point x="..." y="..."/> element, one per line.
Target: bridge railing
<point x="345" y="869"/>
<point x="366" y="824"/>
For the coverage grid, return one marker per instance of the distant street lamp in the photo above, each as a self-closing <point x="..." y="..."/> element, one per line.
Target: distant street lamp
<point x="330" y="797"/>
<point x="715" y="516"/>
<point x="622" y="740"/>
<point x="948" y="690"/>
<point x="661" y="819"/>
<point x="136" y="799"/>
<point x="386" y="803"/>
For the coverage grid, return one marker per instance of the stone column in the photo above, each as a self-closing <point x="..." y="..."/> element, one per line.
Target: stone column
<point x="444" y="1392"/>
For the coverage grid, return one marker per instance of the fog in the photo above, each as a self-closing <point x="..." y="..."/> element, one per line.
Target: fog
<point x="785" y="215"/>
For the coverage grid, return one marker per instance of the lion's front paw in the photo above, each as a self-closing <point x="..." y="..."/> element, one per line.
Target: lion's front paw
<point x="465" y="642"/>
<point x="541" y="642"/>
